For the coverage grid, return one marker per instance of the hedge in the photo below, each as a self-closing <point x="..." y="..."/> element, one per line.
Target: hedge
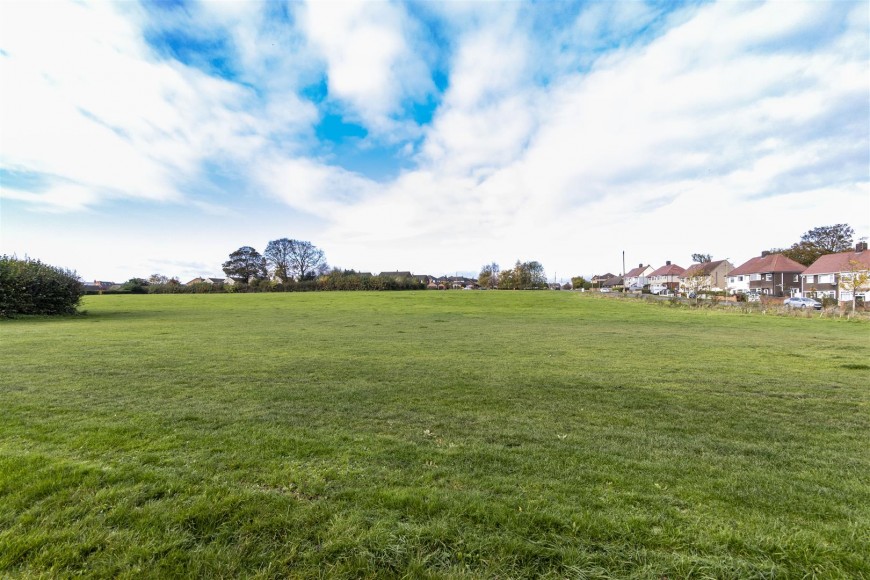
<point x="31" y="287"/>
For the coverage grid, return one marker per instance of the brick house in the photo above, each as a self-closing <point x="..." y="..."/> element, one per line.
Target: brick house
<point x="770" y="274"/>
<point x="824" y="276"/>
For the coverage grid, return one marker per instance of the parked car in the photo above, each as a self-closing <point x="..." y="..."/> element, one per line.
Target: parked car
<point x="802" y="303"/>
<point x="753" y="297"/>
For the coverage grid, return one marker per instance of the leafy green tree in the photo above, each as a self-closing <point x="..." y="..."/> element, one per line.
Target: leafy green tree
<point x="579" y="282"/>
<point x="537" y="277"/>
<point x="488" y="277"/>
<point x="245" y="265"/>
<point x="507" y="280"/>
<point x="820" y="241"/>
<point x="523" y="276"/>
<point x="135" y="285"/>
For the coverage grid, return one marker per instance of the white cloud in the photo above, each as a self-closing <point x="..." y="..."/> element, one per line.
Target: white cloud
<point x="699" y="137"/>
<point x="691" y="136"/>
<point x="310" y="186"/>
<point x="58" y="198"/>
<point x="86" y="102"/>
<point x="488" y="112"/>
<point x="371" y="61"/>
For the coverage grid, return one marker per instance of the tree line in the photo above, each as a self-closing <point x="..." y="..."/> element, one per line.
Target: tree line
<point x="523" y="276"/>
<point x="283" y="260"/>
<point x="284" y="266"/>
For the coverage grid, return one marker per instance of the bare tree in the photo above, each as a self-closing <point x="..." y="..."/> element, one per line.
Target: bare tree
<point x="305" y="259"/>
<point x="278" y="254"/>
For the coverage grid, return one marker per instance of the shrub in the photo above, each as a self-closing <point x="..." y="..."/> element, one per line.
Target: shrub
<point x="827" y="301"/>
<point x="31" y="287"/>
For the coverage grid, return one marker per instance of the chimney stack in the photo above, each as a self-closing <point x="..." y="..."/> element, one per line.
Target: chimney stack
<point x="640" y="265"/>
<point x="668" y="263"/>
<point x="765" y="253"/>
<point x="860" y="247"/>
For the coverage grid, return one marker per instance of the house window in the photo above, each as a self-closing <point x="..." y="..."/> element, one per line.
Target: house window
<point x="795" y="279"/>
<point x="811" y="279"/>
<point x="754" y="277"/>
<point x="768" y="277"/>
<point x="826" y="279"/>
<point x="740" y="278"/>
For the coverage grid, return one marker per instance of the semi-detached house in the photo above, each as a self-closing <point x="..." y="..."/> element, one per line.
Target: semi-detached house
<point x="771" y="274"/>
<point x="825" y="276"/>
<point x="637" y="278"/>
<point x="668" y="276"/>
<point x="707" y="275"/>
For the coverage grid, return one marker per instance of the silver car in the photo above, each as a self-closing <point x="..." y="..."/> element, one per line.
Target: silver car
<point x="802" y="303"/>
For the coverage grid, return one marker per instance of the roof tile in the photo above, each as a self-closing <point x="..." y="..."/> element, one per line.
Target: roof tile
<point x="769" y="263"/>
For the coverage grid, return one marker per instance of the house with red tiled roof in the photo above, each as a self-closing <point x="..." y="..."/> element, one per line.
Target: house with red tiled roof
<point x="636" y="278"/>
<point x="668" y="276"/>
<point x="771" y="274"/>
<point x="824" y="277"/>
<point x="711" y="276"/>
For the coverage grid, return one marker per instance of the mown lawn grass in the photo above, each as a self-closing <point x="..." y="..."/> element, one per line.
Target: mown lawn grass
<point x="432" y="434"/>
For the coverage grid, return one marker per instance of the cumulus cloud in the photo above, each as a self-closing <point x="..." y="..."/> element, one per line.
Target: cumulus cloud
<point x="720" y="110"/>
<point x="311" y="186"/>
<point x="371" y="62"/>
<point x="88" y="103"/>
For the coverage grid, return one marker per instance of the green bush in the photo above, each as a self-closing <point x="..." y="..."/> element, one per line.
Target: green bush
<point x="828" y="301"/>
<point x="31" y="287"/>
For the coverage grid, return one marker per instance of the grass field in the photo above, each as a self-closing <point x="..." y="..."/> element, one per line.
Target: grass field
<point x="432" y="434"/>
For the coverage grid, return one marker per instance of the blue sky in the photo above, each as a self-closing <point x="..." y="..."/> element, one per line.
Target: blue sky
<point x="158" y="137"/>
